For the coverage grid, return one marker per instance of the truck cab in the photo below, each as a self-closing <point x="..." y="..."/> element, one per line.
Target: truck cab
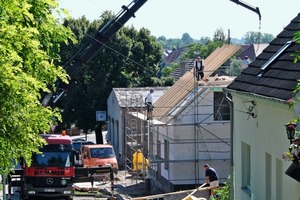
<point x="51" y="173"/>
<point x="99" y="155"/>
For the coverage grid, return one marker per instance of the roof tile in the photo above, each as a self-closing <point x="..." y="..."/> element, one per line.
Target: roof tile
<point x="280" y="77"/>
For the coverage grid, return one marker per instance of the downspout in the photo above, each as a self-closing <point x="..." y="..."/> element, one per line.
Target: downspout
<point x="229" y="100"/>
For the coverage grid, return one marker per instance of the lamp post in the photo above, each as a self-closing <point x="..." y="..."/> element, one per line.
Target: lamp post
<point x="290" y="131"/>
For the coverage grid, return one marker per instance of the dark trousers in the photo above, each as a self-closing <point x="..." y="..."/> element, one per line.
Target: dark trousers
<point x="149" y="107"/>
<point x="199" y="74"/>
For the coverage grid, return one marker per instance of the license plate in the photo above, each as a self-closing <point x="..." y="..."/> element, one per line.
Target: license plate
<point x="49" y="190"/>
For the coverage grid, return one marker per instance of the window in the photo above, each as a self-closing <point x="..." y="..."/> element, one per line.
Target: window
<point x="221" y="107"/>
<point x="166" y="153"/>
<point x="246" y="166"/>
<point x="52" y="159"/>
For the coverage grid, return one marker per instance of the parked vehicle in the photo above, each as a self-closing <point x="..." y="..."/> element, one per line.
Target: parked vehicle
<point x="99" y="155"/>
<point x="51" y="173"/>
<point x="78" y="148"/>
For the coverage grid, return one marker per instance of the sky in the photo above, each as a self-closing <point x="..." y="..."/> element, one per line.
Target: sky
<point x="199" y="18"/>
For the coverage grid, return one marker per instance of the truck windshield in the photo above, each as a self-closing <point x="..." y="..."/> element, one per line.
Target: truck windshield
<point x="52" y="159"/>
<point x="54" y="155"/>
<point x="102" y="152"/>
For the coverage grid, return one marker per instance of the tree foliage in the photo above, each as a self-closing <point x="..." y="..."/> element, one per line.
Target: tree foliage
<point x="203" y="50"/>
<point x="235" y="66"/>
<point x="252" y="37"/>
<point x="130" y="59"/>
<point x="297" y="53"/>
<point x="166" y="71"/>
<point x="219" y="35"/>
<point x="224" y="191"/>
<point x="30" y="39"/>
<point x="175" y="43"/>
<point x="186" y="39"/>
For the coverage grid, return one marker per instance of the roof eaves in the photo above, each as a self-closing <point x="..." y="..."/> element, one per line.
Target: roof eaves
<point x="256" y="96"/>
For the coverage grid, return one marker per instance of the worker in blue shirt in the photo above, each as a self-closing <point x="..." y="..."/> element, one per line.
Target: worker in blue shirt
<point x="212" y="178"/>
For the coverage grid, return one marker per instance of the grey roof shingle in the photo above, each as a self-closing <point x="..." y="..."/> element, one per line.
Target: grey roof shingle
<point x="279" y="79"/>
<point x="134" y="97"/>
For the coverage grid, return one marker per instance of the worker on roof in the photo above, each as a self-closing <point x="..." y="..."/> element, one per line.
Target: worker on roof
<point x="245" y="62"/>
<point x="149" y="104"/>
<point x="199" y="68"/>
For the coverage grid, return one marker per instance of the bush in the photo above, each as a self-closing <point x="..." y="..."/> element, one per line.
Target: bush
<point x="224" y="192"/>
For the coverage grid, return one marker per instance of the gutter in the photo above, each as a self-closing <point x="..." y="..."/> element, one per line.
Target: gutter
<point x="229" y="100"/>
<point x="226" y="90"/>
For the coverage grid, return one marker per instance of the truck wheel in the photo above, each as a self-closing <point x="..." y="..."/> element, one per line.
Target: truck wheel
<point x="68" y="198"/>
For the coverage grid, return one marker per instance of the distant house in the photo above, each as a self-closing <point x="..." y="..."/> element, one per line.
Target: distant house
<point x="174" y="55"/>
<point x="251" y="50"/>
<point x="260" y="110"/>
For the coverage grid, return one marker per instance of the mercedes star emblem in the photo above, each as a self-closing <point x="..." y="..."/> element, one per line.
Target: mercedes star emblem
<point x="49" y="181"/>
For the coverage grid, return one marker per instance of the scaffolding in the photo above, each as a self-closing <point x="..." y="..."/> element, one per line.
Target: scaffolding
<point x="195" y="127"/>
<point x="135" y="134"/>
<point x="156" y="139"/>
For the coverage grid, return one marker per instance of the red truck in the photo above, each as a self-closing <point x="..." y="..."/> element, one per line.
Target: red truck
<point x="51" y="173"/>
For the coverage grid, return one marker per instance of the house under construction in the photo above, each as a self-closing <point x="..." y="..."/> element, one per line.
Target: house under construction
<point x="190" y="127"/>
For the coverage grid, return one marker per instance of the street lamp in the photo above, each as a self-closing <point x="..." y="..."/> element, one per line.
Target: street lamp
<point x="290" y="131"/>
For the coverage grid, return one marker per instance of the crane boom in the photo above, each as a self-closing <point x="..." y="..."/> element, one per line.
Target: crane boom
<point x="104" y="35"/>
<point x="101" y="38"/>
<point x="245" y="5"/>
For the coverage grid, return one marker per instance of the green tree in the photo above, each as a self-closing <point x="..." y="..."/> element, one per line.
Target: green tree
<point x="224" y="191"/>
<point x="267" y="38"/>
<point x="297" y="53"/>
<point x="203" y="49"/>
<point x="162" y="40"/>
<point x="30" y="39"/>
<point x="204" y="40"/>
<point x="235" y="67"/>
<point x="252" y="37"/>
<point x="163" y="81"/>
<point x="166" y="71"/>
<point x="219" y="35"/>
<point x="186" y="39"/>
<point x="130" y="59"/>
